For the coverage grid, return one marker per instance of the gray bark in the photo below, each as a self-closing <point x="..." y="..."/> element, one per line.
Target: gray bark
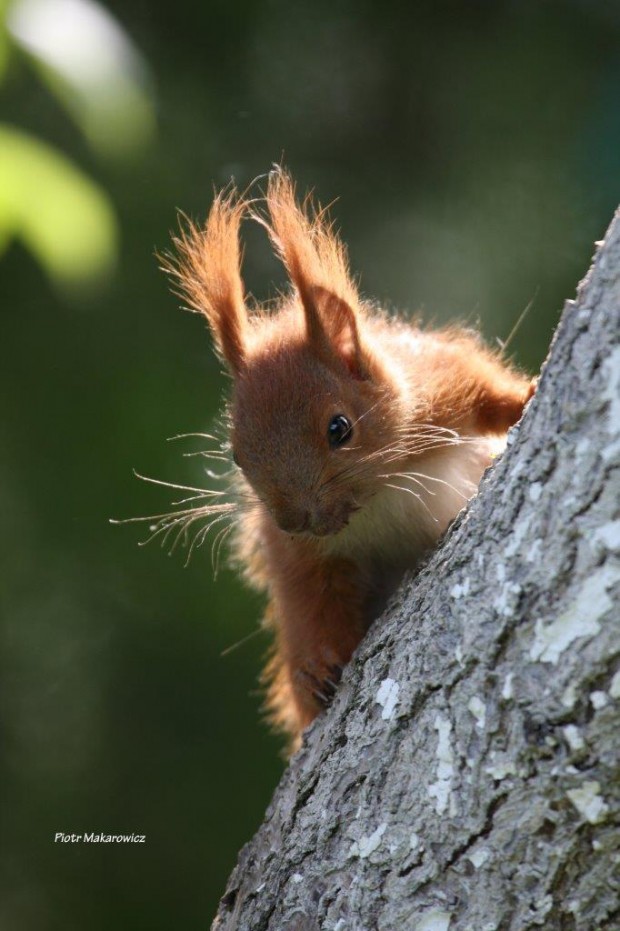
<point x="467" y="773"/>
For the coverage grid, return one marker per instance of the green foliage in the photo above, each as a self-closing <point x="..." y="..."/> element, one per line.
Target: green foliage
<point x="4" y="41"/>
<point x="86" y="61"/>
<point x="65" y="219"/>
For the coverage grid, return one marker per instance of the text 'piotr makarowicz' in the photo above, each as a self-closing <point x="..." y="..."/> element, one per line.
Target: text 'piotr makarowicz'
<point x="61" y="838"/>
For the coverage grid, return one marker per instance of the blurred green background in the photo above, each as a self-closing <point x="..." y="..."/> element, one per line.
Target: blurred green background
<point x="475" y="151"/>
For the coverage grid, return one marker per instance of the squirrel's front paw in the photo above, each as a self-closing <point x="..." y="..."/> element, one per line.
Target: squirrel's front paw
<point x="320" y="682"/>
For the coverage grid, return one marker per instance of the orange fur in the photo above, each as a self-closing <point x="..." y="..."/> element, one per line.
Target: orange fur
<point x="330" y="528"/>
<point x="207" y="269"/>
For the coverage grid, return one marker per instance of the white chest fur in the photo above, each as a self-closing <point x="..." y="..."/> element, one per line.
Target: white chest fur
<point x="401" y="522"/>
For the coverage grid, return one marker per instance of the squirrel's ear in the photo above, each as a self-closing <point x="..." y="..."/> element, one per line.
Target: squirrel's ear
<point x="316" y="260"/>
<point x="333" y="331"/>
<point x="207" y="270"/>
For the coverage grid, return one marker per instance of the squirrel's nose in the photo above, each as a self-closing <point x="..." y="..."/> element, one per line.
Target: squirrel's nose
<point x="293" y="521"/>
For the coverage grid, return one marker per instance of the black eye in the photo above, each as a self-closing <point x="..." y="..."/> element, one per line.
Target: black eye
<point x="339" y="430"/>
<point x="235" y="460"/>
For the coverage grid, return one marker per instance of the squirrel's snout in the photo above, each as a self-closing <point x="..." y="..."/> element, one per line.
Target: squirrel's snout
<point x="319" y="518"/>
<point x="293" y="521"/>
<point x="319" y="523"/>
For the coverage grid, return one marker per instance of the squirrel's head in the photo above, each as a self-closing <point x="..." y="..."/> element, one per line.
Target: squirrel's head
<point x="313" y="407"/>
<point x="304" y="431"/>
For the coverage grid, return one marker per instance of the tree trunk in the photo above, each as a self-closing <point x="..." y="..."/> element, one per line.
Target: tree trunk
<point x="467" y="773"/>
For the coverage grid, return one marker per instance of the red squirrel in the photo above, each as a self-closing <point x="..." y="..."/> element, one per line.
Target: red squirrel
<point x="356" y="436"/>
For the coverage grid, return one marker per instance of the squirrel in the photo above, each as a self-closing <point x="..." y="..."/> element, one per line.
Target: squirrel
<point x="356" y="436"/>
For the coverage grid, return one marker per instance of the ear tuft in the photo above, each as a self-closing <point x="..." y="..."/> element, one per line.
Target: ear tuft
<point x="305" y="240"/>
<point x="207" y="272"/>
<point x="316" y="261"/>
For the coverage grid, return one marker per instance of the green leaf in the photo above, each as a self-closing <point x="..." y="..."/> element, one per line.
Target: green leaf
<point x="89" y="63"/>
<point x="4" y="40"/>
<point x="64" y="219"/>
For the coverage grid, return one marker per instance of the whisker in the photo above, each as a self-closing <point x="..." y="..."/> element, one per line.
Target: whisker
<point x="182" y="537"/>
<point x="201" y="536"/>
<point x="412" y="446"/>
<point x="441" y="481"/>
<point x="169" y="529"/>
<point x="216" y="547"/>
<point x="196" y="497"/>
<point x="158" y="481"/>
<point x="218" y="476"/>
<point x="410" y="491"/>
<point x="206" y="454"/>
<point x="366" y="413"/>
<point x="385" y="456"/>
<point x="157" y="529"/>
<point x="243" y="640"/>
<point x="411" y="477"/>
<point x="434" y="429"/>
<point x="183" y="436"/>
<point x="220" y="508"/>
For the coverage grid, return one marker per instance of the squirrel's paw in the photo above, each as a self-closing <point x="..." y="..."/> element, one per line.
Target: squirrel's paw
<point x="320" y="682"/>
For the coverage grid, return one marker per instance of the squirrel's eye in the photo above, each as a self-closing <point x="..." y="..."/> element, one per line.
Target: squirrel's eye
<point x="235" y="460"/>
<point x="339" y="430"/>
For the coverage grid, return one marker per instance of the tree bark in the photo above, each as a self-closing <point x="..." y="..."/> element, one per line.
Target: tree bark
<point x="467" y="773"/>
